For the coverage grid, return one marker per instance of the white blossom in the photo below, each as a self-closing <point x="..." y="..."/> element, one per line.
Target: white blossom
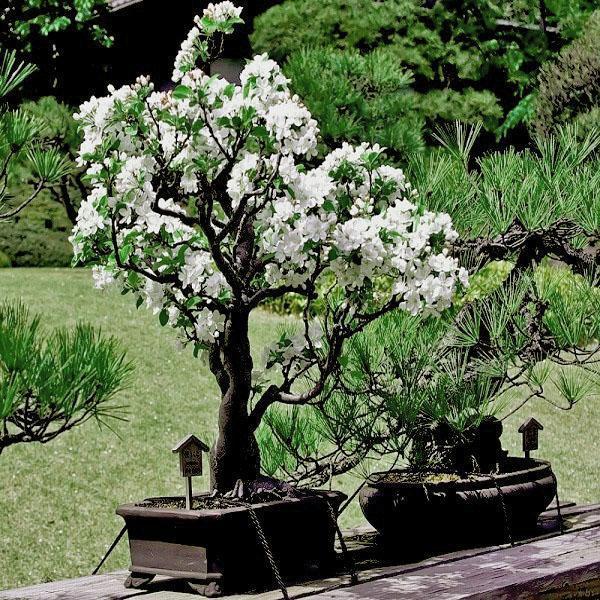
<point x="103" y="277"/>
<point x="222" y="11"/>
<point x="155" y="222"/>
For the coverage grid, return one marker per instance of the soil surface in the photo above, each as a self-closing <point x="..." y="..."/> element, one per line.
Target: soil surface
<point x="201" y="503"/>
<point x="421" y="477"/>
<point x="213" y="502"/>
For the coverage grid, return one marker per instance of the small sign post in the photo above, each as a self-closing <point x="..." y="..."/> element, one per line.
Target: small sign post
<point x="529" y="429"/>
<point x="190" y="450"/>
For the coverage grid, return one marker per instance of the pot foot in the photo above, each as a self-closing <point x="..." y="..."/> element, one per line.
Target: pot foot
<point x="209" y="590"/>
<point x="138" y="581"/>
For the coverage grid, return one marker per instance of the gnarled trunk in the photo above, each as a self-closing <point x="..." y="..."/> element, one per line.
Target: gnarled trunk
<point x="235" y="453"/>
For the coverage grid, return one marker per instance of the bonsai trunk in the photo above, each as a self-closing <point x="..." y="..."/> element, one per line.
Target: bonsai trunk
<point x="235" y="454"/>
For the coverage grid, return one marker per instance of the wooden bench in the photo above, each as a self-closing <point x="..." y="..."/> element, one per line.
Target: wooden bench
<point x="551" y="566"/>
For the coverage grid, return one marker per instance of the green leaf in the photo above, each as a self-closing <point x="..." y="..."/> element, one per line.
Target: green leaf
<point x="328" y="206"/>
<point x="193" y="301"/>
<point x="181" y="92"/>
<point x="229" y="90"/>
<point x="523" y="112"/>
<point x="333" y="253"/>
<point x="163" y="317"/>
<point x="125" y="252"/>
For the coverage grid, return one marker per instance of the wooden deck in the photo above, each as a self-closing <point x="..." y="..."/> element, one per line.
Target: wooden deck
<point x="550" y="566"/>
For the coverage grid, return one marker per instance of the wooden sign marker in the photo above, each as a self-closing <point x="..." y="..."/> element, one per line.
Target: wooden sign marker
<point x="529" y="429"/>
<point x="190" y="450"/>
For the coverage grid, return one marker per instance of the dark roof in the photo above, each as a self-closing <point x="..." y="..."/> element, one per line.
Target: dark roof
<point x="188" y="439"/>
<point x="531" y="422"/>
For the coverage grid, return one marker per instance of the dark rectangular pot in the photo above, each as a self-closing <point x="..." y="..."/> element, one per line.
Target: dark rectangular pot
<point x="219" y="549"/>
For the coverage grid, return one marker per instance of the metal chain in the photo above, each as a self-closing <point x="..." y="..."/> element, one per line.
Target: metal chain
<point x="268" y="552"/>
<point x="347" y="558"/>
<point x="507" y="528"/>
<point x="560" y="520"/>
<point x="109" y="551"/>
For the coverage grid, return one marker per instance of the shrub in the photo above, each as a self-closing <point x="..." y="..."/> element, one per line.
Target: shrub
<point x="478" y="68"/>
<point x="361" y="98"/>
<point x="4" y="261"/>
<point x="38" y="237"/>
<point x="468" y="106"/>
<point x="58" y="126"/>
<point x="570" y="85"/>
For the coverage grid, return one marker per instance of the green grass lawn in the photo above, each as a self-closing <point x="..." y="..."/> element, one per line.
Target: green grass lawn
<point x="57" y="502"/>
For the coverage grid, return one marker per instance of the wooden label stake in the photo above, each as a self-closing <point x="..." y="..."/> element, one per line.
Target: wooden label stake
<point x="190" y="450"/>
<point x="529" y="429"/>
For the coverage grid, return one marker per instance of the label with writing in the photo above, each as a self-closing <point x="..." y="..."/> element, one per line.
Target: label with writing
<point x="530" y="439"/>
<point x="191" y="461"/>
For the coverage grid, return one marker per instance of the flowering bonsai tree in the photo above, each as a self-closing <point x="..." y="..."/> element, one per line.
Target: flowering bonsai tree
<point x="204" y="205"/>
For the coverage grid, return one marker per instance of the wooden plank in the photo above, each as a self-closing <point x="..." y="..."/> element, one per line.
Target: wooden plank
<point x="563" y="505"/>
<point x="361" y="542"/>
<point x="573" y="510"/>
<point x="95" y="587"/>
<point x="540" y="567"/>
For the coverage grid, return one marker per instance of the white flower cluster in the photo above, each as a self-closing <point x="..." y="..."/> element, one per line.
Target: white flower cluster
<point x="194" y="45"/>
<point x="199" y="274"/>
<point x="153" y="215"/>
<point x="96" y="117"/>
<point x="222" y="11"/>
<point x="188" y="54"/>
<point x="356" y="217"/>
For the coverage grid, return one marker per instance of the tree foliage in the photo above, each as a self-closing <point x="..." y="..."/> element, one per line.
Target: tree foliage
<point x="414" y="388"/>
<point x="362" y="98"/>
<point x="478" y="53"/>
<point x="49" y="383"/>
<point x="38" y="30"/>
<point x="569" y="86"/>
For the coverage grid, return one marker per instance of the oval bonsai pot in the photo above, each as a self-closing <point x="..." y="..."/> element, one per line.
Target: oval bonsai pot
<point x="217" y="550"/>
<point x="418" y="517"/>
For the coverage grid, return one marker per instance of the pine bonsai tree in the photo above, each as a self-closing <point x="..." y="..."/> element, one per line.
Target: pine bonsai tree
<point x="416" y="390"/>
<point x="48" y="383"/>
<point x="52" y="383"/>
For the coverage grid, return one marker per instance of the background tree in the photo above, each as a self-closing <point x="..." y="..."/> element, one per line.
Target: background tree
<point x="42" y="31"/>
<point x="569" y="86"/>
<point x="21" y="140"/>
<point x="474" y="60"/>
